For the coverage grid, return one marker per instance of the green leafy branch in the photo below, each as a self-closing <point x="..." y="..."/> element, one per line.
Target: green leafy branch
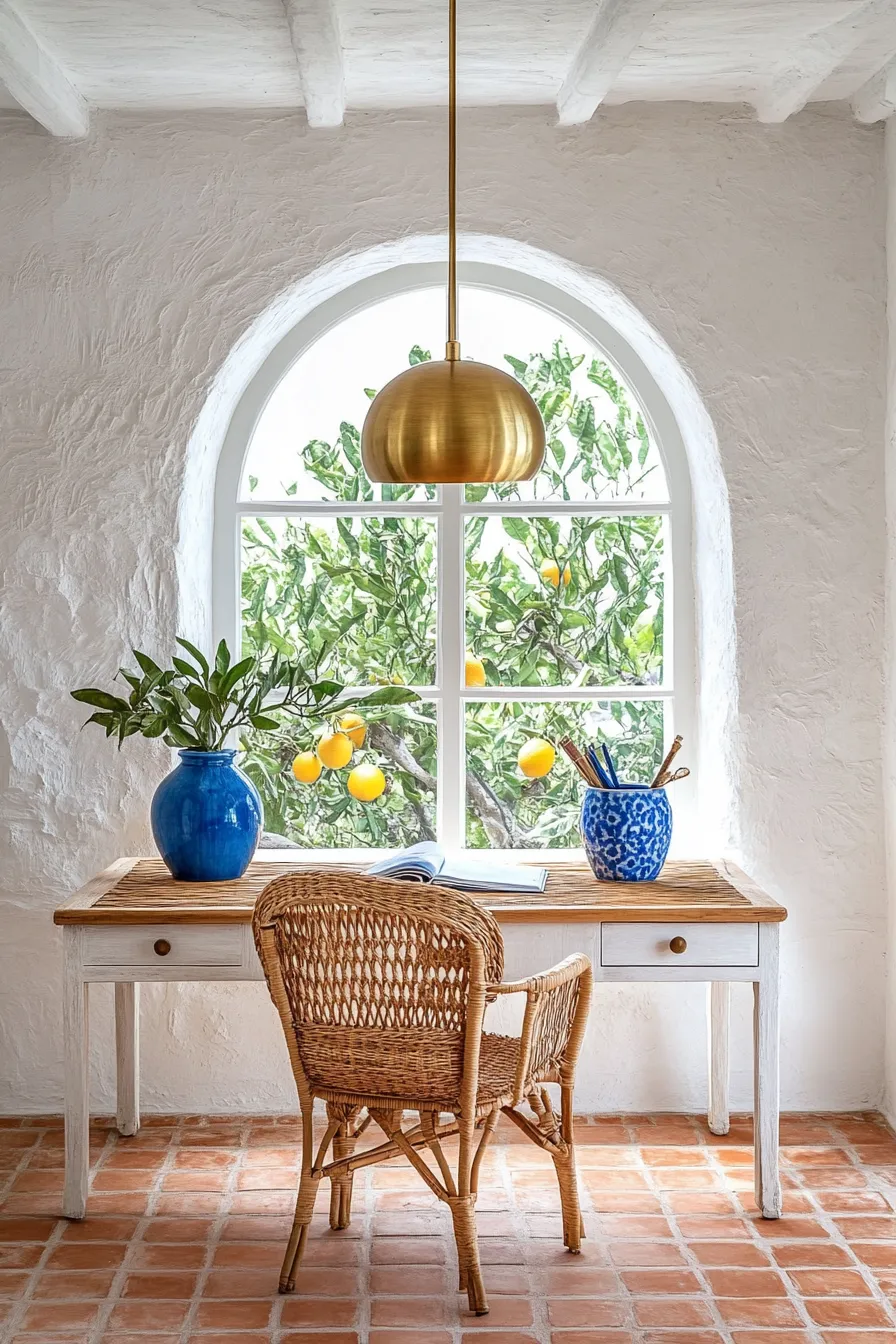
<point x="196" y="704"/>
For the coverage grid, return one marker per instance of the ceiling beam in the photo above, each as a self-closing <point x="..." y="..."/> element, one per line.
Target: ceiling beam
<point x="876" y="100"/>
<point x="36" y="80"/>
<point x="314" y="30"/>
<point x="794" y="82"/>
<point x="616" y="29"/>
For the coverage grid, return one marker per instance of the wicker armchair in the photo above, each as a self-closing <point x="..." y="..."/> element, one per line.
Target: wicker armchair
<point x="381" y="987"/>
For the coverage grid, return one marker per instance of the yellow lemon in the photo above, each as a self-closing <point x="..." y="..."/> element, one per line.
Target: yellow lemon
<point x="550" y="572"/>
<point x="474" y="672"/>
<point x="567" y="576"/>
<point x="354" y="727"/>
<point x="536" y="758"/>
<point x="366" y="782"/>
<point x="306" y="767"/>
<point x="335" y="750"/>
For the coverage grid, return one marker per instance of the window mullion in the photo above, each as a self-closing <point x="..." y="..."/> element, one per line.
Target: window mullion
<point x="451" y="790"/>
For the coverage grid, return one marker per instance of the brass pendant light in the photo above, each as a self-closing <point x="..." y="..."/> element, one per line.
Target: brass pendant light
<point x="452" y="420"/>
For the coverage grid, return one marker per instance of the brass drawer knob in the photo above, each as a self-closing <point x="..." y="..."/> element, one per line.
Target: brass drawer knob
<point x="678" y="944"/>
<point x="161" y="947"/>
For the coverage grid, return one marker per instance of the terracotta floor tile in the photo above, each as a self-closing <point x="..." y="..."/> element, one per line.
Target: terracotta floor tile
<point x="858" y="1336"/>
<point x="239" y="1315"/>
<point x="13" y="1282"/>
<point x="766" y="1311"/>
<point x="745" y="1283"/>
<point x="478" y="1335"/>
<point x="685" y="1178"/>
<point x="408" y="1251"/>
<point x="591" y="1337"/>
<point x="423" y="1281"/>
<point x="159" y="1285"/>
<point x="681" y="1337"/>
<point x="50" y="1316"/>
<point x="665" y="1281"/>
<point x="168" y="1255"/>
<point x="829" y="1283"/>
<point x="696" y="1228"/>
<point x="646" y="1254"/>
<point x="811" y="1255"/>
<point x="570" y="1311"/>
<point x="762" y="1337"/>
<point x="868" y="1228"/>
<point x="324" y="1337"/>
<point x="700" y="1201"/>
<point x="178" y="1229"/>
<point x="407" y="1337"/>
<point x="671" y="1312"/>
<point x="852" y="1201"/>
<point x="20" y="1255"/>
<point x="217" y="1337"/>
<point x="847" y="1311"/>
<point x="324" y="1311"/>
<point x="128" y="1316"/>
<point x="409" y="1311"/>
<point x="580" y="1280"/>
<point x="730" y="1254"/>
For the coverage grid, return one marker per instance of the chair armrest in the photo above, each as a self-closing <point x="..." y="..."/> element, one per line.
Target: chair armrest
<point x="557" y="1003"/>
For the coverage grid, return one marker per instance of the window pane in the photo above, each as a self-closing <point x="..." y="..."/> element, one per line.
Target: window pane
<point x="323" y="813"/>
<point x="506" y="810"/>
<point x="567" y="601"/>
<point x="306" y="443"/>
<point x="352" y="597"/>
<point x="598" y="443"/>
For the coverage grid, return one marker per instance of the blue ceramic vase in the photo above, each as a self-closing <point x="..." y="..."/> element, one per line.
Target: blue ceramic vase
<point x="626" y="832"/>
<point x="206" y="818"/>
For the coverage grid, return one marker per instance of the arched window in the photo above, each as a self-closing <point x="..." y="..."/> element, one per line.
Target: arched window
<point x="519" y="613"/>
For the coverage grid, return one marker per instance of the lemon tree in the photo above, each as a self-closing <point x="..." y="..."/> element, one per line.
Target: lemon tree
<point x="549" y="602"/>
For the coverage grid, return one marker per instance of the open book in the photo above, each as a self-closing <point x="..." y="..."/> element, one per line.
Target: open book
<point x="427" y="862"/>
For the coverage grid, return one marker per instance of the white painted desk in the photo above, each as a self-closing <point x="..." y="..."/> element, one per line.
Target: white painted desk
<point x="699" y="922"/>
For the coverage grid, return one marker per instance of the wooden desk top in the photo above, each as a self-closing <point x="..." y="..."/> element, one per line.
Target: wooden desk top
<point x="142" y="891"/>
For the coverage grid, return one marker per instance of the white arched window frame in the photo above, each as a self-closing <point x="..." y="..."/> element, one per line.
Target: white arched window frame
<point x="450" y="510"/>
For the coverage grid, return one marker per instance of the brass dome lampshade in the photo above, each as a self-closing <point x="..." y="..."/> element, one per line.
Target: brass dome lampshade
<point x="452" y="420"/>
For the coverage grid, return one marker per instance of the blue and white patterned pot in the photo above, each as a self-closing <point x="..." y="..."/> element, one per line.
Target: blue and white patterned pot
<point x="626" y="832"/>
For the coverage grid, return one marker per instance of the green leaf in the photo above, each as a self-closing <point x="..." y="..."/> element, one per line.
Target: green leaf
<point x="222" y="658"/>
<point x="263" y="722"/>
<point x="146" y="664"/>
<point x="517" y="528"/>
<point x="418" y="355"/>
<point x="179" y="737"/>
<point x="201" y="660"/>
<point x="101" y="699"/>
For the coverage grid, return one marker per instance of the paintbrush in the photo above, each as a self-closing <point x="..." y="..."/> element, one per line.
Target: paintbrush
<point x="670" y="757"/>
<point x="581" y="763"/>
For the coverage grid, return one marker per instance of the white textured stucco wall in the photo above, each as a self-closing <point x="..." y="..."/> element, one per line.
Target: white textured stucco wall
<point x="132" y="263"/>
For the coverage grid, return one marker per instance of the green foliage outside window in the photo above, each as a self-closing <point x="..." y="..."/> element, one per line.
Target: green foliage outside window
<point x="574" y="601"/>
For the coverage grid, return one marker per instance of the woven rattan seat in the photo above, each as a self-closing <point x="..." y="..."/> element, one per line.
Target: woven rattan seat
<point x="381" y="987"/>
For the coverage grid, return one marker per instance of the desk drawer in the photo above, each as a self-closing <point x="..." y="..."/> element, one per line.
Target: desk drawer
<point x="704" y="945"/>
<point x="145" y="945"/>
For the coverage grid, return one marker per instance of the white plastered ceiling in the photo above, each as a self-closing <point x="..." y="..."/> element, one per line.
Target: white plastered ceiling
<point x="61" y="58"/>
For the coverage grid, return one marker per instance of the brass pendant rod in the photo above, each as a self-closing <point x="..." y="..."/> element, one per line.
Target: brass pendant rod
<point x="452" y="349"/>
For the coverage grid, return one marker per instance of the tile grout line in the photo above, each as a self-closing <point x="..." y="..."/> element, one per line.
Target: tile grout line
<point x="827" y="1221"/>
<point x="18" y="1313"/>
<point x="812" y="1330"/>
<point x="214" y="1236"/>
<point x="680" y="1240"/>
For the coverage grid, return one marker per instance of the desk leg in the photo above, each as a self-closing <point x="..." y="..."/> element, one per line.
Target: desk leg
<point x="77" y="1078"/>
<point x="127" y="1055"/>
<point x="719" y="1011"/>
<point x="766" y="1081"/>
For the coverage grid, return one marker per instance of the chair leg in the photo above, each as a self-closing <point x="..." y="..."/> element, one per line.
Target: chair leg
<point x="299" y="1234"/>
<point x="463" y="1214"/>
<point x="565" y="1166"/>
<point x="341" y="1186"/>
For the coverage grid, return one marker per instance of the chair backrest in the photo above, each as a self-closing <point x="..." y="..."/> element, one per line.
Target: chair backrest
<point x="376" y="981"/>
